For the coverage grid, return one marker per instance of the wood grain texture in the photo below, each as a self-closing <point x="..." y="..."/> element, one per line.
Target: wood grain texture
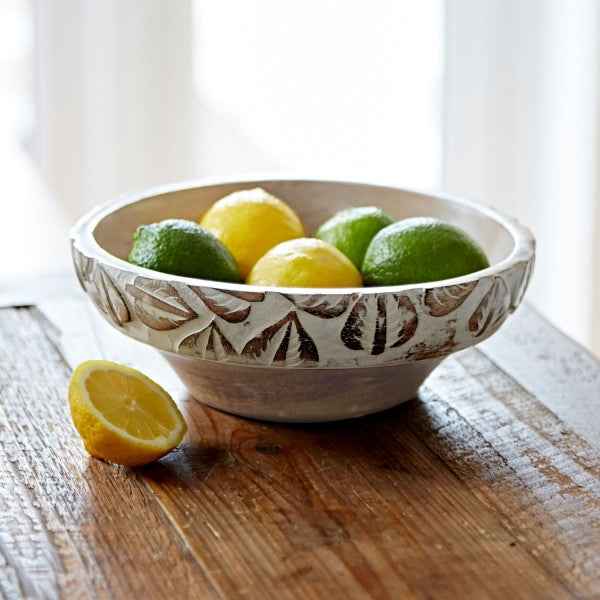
<point x="473" y="490"/>
<point x="553" y="368"/>
<point x="71" y="526"/>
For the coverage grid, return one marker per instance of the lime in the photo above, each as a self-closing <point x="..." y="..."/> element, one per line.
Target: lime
<point x="420" y="249"/>
<point x="352" y="229"/>
<point x="250" y="222"/>
<point x="305" y="262"/>
<point x="182" y="247"/>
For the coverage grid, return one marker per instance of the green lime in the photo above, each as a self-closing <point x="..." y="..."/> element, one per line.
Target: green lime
<point x="421" y="249"/>
<point x="183" y="247"/>
<point x="352" y="229"/>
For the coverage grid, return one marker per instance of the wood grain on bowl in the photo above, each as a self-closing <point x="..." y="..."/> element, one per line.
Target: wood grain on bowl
<point x="299" y="395"/>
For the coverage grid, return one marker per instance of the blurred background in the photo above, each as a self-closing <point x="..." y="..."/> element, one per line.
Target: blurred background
<point x="496" y="100"/>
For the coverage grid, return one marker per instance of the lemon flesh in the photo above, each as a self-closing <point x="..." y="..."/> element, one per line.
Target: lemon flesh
<point x="418" y="250"/>
<point x="251" y="222"/>
<point x="305" y="262"/>
<point x="181" y="247"/>
<point x="123" y="416"/>
<point x="352" y="229"/>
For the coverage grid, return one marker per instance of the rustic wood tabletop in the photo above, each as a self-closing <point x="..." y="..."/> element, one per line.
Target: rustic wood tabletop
<point x="487" y="485"/>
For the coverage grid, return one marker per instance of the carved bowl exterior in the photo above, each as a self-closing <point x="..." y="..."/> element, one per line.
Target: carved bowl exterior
<point x="292" y="354"/>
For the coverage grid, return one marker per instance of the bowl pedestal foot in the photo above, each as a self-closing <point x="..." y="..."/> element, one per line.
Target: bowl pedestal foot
<point x="300" y="395"/>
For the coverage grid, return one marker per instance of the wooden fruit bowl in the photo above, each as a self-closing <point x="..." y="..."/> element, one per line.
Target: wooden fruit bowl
<point x="299" y="354"/>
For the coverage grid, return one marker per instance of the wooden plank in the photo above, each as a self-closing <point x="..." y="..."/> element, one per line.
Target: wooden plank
<point x="72" y="526"/>
<point x="541" y="479"/>
<point x="473" y="490"/>
<point x="211" y="451"/>
<point x="233" y="589"/>
<point x="552" y="367"/>
<point x="353" y="510"/>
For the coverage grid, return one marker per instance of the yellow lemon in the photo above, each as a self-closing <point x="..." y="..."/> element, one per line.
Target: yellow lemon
<point x="305" y="262"/>
<point x="250" y="222"/>
<point x="122" y="415"/>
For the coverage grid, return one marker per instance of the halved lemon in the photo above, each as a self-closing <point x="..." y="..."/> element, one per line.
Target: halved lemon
<point x="123" y="416"/>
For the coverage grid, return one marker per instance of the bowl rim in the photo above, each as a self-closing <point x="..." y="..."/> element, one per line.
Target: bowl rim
<point x="82" y="234"/>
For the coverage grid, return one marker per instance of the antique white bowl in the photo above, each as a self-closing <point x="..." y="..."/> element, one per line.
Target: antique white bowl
<point x="293" y="354"/>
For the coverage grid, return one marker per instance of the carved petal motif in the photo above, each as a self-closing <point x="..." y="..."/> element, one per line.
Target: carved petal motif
<point x="523" y="284"/>
<point x="107" y="297"/>
<point x="285" y="341"/>
<point x="158" y="304"/>
<point x="320" y="305"/>
<point x="84" y="267"/>
<point x="209" y="343"/>
<point x="442" y="344"/>
<point x="231" y="306"/>
<point x="492" y="310"/>
<point x="248" y="296"/>
<point x="442" y="301"/>
<point x="374" y="323"/>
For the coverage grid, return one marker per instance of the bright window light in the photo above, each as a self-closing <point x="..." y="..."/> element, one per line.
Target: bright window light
<point x="351" y="90"/>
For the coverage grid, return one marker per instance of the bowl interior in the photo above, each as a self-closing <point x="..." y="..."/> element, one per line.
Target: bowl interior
<point x="314" y="201"/>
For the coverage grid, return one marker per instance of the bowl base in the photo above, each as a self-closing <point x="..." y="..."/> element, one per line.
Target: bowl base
<point x="300" y="395"/>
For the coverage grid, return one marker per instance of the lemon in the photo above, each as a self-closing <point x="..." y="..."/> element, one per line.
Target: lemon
<point x="305" y="262"/>
<point x="250" y="222"/>
<point x="122" y="415"/>
<point x="352" y="229"/>
<point x="420" y="249"/>
<point x="182" y="247"/>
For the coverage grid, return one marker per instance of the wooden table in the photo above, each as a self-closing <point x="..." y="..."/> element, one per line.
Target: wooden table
<point x="485" y="486"/>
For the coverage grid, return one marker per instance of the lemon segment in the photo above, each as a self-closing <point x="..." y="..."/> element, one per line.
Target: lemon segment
<point x="123" y="416"/>
<point x="251" y="222"/>
<point x="305" y="262"/>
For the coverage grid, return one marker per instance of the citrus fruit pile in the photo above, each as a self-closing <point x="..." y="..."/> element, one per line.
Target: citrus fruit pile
<point x="253" y="237"/>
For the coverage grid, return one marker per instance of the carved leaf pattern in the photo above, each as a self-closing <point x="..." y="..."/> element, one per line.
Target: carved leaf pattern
<point x="285" y="341"/>
<point x="492" y="310"/>
<point x="523" y="284"/>
<point x="158" y="304"/>
<point x="248" y="296"/>
<point x="403" y="320"/>
<point x="209" y="343"/>
<point x="107" y="297"/>
<point x="84" y="267"/>
<point x="442" y="301"/>
<point x="231" y="306"/>
<point x="377" y="322"/>
<point x="324" y="306"/>
<point x="443" y="344"/>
